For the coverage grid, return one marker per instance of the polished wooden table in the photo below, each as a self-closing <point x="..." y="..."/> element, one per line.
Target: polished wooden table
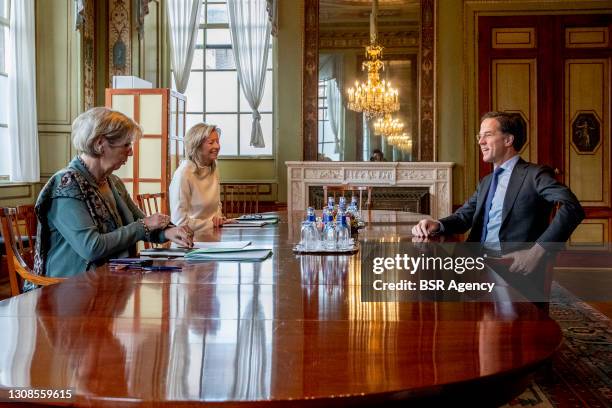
<point x="290" y="330"/>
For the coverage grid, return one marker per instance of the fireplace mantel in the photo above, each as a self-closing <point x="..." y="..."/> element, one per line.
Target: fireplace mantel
<point x="437" y="176"/>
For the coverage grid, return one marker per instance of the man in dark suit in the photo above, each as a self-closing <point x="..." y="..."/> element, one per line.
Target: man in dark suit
<point x="514" y="203"/>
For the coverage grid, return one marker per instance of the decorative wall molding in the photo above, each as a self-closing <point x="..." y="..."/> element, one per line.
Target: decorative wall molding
<point x="89" y="55"/>
<point x="427" y="84"/>
<point x="350" y="39"/>
<point x="119" y="39"/>
<point x="437" y="176"/>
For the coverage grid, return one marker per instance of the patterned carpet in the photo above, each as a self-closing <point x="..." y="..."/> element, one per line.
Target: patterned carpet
<point x="581" y="373"/>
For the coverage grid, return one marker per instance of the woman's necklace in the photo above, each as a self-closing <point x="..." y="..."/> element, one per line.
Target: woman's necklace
<point x="100" y="183"/>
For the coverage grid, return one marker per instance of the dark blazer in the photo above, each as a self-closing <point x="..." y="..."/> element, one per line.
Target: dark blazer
<point x="531" y="195"/>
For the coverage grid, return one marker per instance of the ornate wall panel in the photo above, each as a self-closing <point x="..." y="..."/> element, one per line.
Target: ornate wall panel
<point x="587" y="122"/>
<point x="119" y="39"/>
<point x="523" y="37"/>
<point x="427" y="114"/>
<point x="514" y="89"/>
<point x="591" y="231"/>
<point x="88" y="55"/>
<point x="586" y="37"/>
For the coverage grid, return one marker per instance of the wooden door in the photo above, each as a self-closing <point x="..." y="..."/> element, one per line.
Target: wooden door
<point x="555" y="72"/>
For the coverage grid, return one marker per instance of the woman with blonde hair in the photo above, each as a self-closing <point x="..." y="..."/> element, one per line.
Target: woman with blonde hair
<point x="86" y="214"/>
<point x="195" y="193"/>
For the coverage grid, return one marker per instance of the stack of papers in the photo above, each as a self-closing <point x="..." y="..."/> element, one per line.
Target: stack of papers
<point x="205" y="246"/>
<point x="259" y="217"/>
<point x="225" y="245"/>
<point x="253" y="220"/>
<point x="244" y="254"/>
<point x="164" y="252"/>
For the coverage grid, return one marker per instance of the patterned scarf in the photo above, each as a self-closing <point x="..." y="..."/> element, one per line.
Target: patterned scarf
<point x="76" y="182"/>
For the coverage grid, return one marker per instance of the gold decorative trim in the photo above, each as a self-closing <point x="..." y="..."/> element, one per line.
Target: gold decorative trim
<point x="586" y="37"/>
<point x="513" y="37"/>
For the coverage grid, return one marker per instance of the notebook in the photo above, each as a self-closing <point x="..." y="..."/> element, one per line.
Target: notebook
<point x="223" y="245"/>
<point x="259" y="217"/>
<point x="246" y="254"/>
<point x="242" y="223"/>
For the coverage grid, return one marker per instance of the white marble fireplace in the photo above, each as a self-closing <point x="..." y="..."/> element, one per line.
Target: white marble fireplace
<point x="437" y="176"/>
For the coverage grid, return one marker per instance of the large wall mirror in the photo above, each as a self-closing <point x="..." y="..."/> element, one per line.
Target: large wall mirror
<point x="336" y="34"/>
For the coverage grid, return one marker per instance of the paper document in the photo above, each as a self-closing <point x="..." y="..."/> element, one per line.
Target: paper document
<point x="246" y="254"/>
<point x="165" y="252"/>
<point x="224" y="245"/>
<point x="258" y="217"/>
<point x="240" y="223"/>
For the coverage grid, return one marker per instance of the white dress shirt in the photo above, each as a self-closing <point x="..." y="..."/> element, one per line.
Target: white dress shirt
<point x="495" y="214"/>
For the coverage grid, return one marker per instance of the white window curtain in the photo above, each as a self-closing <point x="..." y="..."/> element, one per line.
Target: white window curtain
<point x="336" y="114"/>
<point x="22" y="127"/>
<point x="250" y="34"/>
<point x="330" y="71"/>
<point x="183" y="22"/>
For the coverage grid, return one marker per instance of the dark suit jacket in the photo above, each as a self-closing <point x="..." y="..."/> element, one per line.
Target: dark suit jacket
<point x="531" y="195"/>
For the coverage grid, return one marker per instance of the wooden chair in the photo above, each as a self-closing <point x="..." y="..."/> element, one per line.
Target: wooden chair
<point x="151" y="204"/>
<point x="240" y="199"/>
<point x="342" y="190"/>
<point x="17" y="251"/>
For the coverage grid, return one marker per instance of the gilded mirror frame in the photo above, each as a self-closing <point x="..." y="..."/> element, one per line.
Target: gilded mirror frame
<point x="425" y="143"/>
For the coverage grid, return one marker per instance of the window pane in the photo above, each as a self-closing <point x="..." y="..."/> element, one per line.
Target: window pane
<point x="220" y="58"/>
<point x="266" y="100"/>
<point x="217" y="14"/>
<point x="200" y="38"/>
<point x="245" y="135"/>
<point x="270" y="57"/>
<point x="3" y="100"/>
<point x="4" y="9"/>
<point x="221" y="91"/>
<point x="4" y="48"/>
<point x="192" y="119"/>
<point x="229" y="130"/>
<point x="198" y="59"/>
<point x="218" y="36"/>
<point x="4" y="153"/>
<point x="194" y="92"/>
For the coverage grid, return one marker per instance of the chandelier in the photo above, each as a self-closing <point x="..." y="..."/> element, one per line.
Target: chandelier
<point x="374" y="98"/>
<point x="402" y="142"/>
<point x="388" y="126"/>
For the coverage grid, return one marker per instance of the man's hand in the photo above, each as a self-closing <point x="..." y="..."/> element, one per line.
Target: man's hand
<point x="425" y="228"/>
<point x="526" y="260"/>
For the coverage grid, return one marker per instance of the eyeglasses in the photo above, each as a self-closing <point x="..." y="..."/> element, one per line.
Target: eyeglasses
<point x="486" y="135"/>
<point x="128" y="145"/>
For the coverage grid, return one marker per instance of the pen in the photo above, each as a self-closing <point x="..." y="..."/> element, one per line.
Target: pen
<point x="161" y="268"/>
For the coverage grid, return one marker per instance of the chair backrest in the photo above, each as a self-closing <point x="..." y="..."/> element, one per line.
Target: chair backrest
<point x="343" y="190"/>
<point x="151" y="204"/>
<point x="17" y="251"/>
<point x="240" y="199"/>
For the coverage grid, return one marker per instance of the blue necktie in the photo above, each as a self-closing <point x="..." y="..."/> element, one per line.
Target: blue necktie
<point x="489" y="202"/>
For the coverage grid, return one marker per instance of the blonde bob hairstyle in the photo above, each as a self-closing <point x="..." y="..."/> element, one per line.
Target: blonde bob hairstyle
<point x="105" y="123"/>
<point x="194" y="139"/>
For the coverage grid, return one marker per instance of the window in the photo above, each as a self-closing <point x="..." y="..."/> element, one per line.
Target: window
<point x="213" y="92"/>
<point x="4" y="63"/>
